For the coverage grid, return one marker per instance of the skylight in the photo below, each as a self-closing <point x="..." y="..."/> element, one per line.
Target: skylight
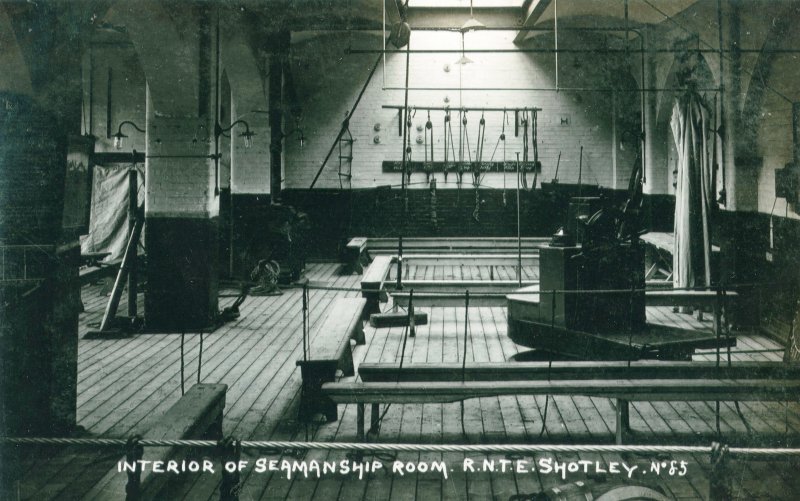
<point x="478" y="4"/>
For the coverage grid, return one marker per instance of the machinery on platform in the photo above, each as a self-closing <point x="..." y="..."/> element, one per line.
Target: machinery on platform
<point x="590" y="301"/>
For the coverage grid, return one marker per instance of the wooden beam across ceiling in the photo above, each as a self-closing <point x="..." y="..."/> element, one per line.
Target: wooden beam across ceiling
<point x="533" y="11"/>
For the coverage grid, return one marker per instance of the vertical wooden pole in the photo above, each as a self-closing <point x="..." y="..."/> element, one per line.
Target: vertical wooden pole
<point x="133" y="205"/>
<point x="796" y="132"/>
<point x="623" y="421"/>
<point x="374" y="418"/>
<point x="360" y="421"/>
<point x="519" y="233"/>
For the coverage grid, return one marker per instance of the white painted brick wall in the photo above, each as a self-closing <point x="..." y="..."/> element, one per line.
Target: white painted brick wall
<point x="589" y="113"/>
<point x="182" y="187"/>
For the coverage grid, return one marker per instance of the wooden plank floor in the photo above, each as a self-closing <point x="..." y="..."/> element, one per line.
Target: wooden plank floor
<point x="125" y="384"/>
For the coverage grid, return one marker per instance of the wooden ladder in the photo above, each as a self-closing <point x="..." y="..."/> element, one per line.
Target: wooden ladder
<point x="346" y="159"/>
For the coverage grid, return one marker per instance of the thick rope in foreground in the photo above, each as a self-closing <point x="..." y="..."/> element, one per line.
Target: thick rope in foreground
<point x="477" y="448"/>
<point x="449" y="293"/>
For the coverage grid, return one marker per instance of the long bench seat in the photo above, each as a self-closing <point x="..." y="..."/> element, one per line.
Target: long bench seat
<point x="379" y="246"/>
<point x="196" y="415"/>
<point x="372" y="282"/>
<point x="527" y="371"/>
<point x="329" y="350"/>
<point x="624" y="390"/>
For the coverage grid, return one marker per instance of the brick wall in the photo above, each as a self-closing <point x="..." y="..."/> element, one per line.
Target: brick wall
<point x="176" y="186"/>
<point x="339" y="215"/>
<point x="32" y="149"/>
<point x="328" y="82"/>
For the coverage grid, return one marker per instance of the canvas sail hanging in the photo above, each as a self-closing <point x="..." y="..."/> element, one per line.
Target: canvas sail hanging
<point x="694" y="192"/>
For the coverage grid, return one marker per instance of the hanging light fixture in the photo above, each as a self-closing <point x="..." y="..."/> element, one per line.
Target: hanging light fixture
<point x="247" y="135"/>
<point x="463" y="59"/>
<point x="301" y="136"/>
<point x="472" y="23"/>
<point x="119" y="137"/>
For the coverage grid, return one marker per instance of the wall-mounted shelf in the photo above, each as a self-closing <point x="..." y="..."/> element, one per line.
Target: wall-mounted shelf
<point x="464" y="167"/>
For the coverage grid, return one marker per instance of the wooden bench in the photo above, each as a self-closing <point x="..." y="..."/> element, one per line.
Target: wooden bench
<point x="451" y="259"/>
<point x="355" y="255"/>
<point x="623" y="390"/>
<point x="460" y="245"/>
<point x="699" y="299"/>
<point x="372" y="282"/>
<point x="329" y="350"/>
<point x="527" y="371"/>
<point x="196" y="415"/>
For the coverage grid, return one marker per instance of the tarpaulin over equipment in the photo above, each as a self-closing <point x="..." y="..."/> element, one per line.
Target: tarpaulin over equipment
<point x="694" y="192"/>
<point x="108" y="222"/>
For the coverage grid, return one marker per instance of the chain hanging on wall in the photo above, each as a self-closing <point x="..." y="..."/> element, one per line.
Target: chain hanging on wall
<point x="448" y="140"/>
<point x="407" y="146"/>
<point x="503" y="138"/>
<point x="476" y="167"/>
<point x="535" y="141"/>
<point x="525" y="123"/>
<point x="428" y="165"/>
<point x="433" y="204"/>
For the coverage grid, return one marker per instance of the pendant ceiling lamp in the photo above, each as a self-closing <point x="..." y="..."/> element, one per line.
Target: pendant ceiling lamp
<point x="472" y="23"/>
<point x="463" y="59"/>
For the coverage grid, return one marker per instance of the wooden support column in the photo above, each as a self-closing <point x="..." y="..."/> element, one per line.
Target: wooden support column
<point x="133" y="208"/>
<point x="276" y="117"/>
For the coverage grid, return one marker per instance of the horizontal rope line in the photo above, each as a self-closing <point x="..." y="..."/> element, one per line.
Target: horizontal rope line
<point x="729" y="288"/>
<point x="345" y="446"/>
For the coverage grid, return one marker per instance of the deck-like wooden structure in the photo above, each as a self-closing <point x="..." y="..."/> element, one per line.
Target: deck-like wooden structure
<point x="126" y="384"/>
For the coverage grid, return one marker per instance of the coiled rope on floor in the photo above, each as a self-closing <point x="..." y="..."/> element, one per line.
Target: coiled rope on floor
<point x="402" y="447"/>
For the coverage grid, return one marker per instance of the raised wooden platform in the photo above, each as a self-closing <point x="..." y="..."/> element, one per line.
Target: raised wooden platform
<point x="124" y="384"/>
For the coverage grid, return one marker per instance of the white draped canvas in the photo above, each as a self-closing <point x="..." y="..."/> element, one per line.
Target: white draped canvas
<point x="694" y="193"/>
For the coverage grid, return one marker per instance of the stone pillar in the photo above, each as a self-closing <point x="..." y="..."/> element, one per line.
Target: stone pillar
<point x="182" y="199"/>
<point x="731" y="85"/>
<point x="40" y="95"/>
<point x="276" y="125"/>
<point x="654" y="144"/>
<point x="181" y="225"/>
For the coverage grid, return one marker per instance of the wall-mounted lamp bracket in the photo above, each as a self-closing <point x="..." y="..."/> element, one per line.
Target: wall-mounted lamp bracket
<point x="119" y="137"/>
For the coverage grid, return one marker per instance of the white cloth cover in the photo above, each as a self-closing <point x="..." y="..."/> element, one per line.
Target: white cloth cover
<point x="108" y="221"/>
<point x="694" y="193"/>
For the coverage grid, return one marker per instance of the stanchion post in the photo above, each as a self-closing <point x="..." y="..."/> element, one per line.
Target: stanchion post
<point x="719" y="488"/>
<point x="9" y="473"/>
<point x="230" y="453"/>
<point x="400" y="262"/>
<point x="412" y="327"/>
<point x="133" y="453"/>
